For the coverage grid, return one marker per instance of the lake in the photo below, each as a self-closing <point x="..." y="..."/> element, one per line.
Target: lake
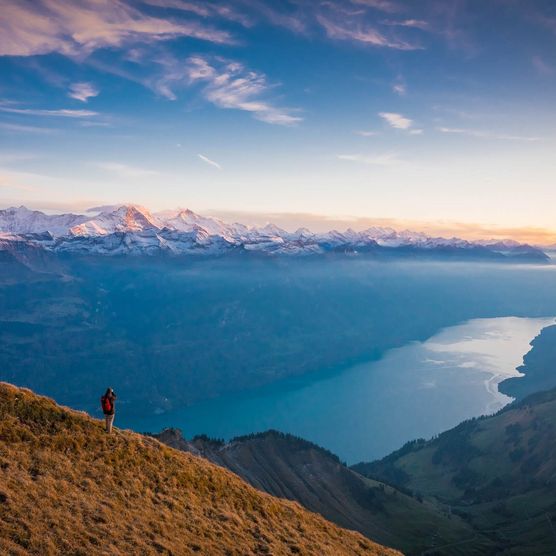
<point x="368" y="410"/>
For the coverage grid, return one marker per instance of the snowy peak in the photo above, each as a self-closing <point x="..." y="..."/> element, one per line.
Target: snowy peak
<point x="127" y="218"/>
<point x="21" y="220"/>
<point x="186" y="220"/>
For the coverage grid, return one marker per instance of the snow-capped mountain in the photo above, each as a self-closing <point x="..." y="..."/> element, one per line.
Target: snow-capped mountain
<point x="134" y="230"/>
<point x="131" y="218"/>
<point x="24" y="221"/>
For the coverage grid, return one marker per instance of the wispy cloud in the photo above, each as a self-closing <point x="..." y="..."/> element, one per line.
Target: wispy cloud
<point x="204" y="9"/>
<point x="230" y="85"/>
<point x="62" y="113"/>
<point x="193" y="7"/>
<point x="382" y="5"/>
<point x="486" y="134"/>
<point x="275" y="14"/>
<point x="396" y="120"/>
<point x="357" y="32"/>
<point x="365" y="133"/>
<point x="412" y="23"/>
<point x="17" y="128"/>
<point x="94" y="123"/>
<point x="71" y="28"/>
<point x="207" y="160"/>
<point x="400" y="88"/>
<point x="125" y="170"/>
<point x="83" y="91"/>
<point x="385" y="159"/>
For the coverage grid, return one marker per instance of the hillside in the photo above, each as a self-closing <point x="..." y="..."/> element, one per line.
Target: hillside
<point x="68" y="488"/>
<point x="498" y="473"/>
<point x="290" y="467"/>
<point x="538" y="367"/>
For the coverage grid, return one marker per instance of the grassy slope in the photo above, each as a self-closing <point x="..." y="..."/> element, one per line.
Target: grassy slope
<point x="68" y="488"/>
<point x="290" y="467"/>
<point x="498" y="472"/>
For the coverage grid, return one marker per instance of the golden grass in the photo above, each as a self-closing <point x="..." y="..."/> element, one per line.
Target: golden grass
<point x="68" y="488"/>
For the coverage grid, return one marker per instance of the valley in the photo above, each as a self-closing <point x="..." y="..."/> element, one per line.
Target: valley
<point x="369" y="409"/>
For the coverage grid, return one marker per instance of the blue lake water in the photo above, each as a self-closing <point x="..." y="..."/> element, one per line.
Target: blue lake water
<point x="365" y="411"/>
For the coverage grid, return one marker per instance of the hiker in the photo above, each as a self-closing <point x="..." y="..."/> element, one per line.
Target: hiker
<point x="108" y="404"/>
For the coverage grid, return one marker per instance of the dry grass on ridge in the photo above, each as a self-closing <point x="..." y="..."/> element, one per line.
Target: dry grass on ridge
<point x="68" y="488"/>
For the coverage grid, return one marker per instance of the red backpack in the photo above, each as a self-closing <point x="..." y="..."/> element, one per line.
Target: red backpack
<point x="106" y="404"/>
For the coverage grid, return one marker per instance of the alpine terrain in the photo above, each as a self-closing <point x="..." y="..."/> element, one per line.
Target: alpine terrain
<point x="66" y="487"/>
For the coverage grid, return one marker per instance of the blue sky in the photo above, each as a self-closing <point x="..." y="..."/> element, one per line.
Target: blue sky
<point x="424" y="113"/>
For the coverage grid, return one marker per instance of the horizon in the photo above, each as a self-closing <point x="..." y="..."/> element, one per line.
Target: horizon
<point x="315" y="223"/>
<point x="317" y="115"/>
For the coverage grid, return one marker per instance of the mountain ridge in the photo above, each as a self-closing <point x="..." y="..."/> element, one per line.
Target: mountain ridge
<point x="66" y="487"/>
<point x="132" y="229"/>
<point x="293" y="468"/>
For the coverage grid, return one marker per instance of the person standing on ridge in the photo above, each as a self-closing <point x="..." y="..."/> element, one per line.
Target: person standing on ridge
<point x="108" y="404"/>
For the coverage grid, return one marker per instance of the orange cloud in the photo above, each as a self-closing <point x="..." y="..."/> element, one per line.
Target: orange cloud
<point x="42" y="26"/>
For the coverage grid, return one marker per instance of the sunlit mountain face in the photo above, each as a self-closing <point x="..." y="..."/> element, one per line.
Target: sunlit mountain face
<point x="435" y="116"/>
<point x="135" y="230"/>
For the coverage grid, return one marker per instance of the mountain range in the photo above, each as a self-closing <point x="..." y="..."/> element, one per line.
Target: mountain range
<point x="134" y="230"/>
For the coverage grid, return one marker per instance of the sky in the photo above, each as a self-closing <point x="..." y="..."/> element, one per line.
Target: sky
<point x="430" y="114"/>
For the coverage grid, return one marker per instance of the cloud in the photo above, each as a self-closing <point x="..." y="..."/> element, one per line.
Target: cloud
<point x="354" y="31"/>
<point x="365" y="133"/>
<point x="193" y="7"/>
<point x="93" y="123"/>
<point x="382" y="5"/>
<point x="209" y="161"/>
<point x="486" y="134"/>
<point x="399" y="88"/>
<point x="230" y="85"/>
<point x="26" y="128"/>
<point x="271" y="12"/>
<point x="412" y="23"/>
<point x="203" y="9"/>
<point x="30" y="27"/>
<point x="62" y="113"/>
<point x="386" y="159"/>
<point x="82" y="91"/>
<point x="125" y="170"/>
<point x="396" y="120"/>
